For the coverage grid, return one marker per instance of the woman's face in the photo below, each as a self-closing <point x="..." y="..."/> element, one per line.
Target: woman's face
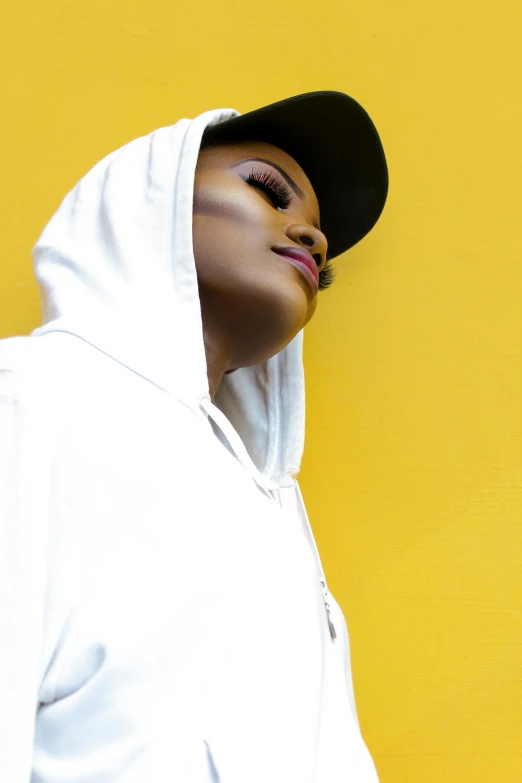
<point x="257" y="299"/>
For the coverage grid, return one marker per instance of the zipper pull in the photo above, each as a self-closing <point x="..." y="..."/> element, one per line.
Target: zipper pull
<point x="331" y="626"/>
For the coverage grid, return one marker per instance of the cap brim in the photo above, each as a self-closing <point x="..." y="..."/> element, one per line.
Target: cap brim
<point x="337" y="145"/>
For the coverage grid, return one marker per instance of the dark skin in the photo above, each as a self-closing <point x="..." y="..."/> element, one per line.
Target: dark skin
<point x="253" y="301"/>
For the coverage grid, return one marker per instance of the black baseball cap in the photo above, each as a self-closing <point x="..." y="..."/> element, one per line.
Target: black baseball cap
<point x="336" y="143"/>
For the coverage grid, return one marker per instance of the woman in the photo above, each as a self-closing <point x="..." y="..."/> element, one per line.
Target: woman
<point x="166" y="616"/>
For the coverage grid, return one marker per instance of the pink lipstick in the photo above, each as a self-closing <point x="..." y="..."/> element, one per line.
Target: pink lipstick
<point x="303" y="261"/>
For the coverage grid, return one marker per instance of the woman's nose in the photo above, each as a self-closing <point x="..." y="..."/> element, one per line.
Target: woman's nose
<point x="312" y="239"/>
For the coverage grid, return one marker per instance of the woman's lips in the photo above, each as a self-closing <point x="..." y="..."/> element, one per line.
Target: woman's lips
<point x="303" y="261"/>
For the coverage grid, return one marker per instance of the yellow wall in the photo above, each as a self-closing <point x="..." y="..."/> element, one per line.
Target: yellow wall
<point x="413" y="468"/>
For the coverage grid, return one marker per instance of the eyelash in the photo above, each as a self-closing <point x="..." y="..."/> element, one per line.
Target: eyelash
<point x="326" y="275"/>
<point x="281" y="196"/>
<point x="273" y="187"/>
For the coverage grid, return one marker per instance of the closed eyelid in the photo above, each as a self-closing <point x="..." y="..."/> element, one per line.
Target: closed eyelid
<point x="295" y="187"/>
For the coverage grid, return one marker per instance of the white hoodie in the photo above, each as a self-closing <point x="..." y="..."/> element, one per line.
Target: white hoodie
<point x="164" y="613"/>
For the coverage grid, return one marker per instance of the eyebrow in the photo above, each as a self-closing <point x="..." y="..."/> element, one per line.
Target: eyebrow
<point x="295" y="187"/>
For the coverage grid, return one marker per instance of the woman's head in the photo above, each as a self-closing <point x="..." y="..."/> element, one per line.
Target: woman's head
<point x="244" y="207"/>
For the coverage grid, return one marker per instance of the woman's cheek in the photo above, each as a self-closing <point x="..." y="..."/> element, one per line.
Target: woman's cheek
<point x="231" y="204"/>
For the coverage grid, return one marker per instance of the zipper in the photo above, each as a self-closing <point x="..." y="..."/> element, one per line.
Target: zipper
<point x="268" y="487"/>
<point x="324" y="586"/>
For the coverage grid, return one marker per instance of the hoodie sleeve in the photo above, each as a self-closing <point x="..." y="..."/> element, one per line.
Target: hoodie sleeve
<point x="22" y="575"/>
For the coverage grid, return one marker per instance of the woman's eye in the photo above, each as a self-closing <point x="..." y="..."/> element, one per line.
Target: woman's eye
<point x="276" y="190"/>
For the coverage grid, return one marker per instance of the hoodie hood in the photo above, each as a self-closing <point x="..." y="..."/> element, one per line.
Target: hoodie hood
<point x="115" y="267"/>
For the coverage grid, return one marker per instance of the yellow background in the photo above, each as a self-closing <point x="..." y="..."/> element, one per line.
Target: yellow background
<point x="413" y="464"/>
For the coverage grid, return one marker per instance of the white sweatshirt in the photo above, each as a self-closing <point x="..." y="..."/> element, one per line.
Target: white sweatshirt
<point x="163" y="610"/>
